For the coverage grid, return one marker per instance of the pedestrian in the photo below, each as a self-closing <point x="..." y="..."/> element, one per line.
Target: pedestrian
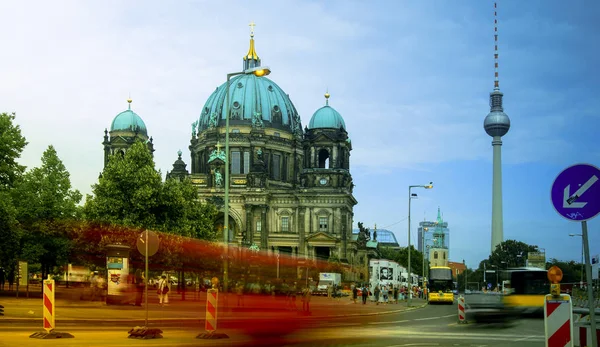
<point x="93" y="286"/>
<point x="377" y="292"/>
<point x="163" y="290"/>
<point x="365" y="294"/>
<point x="395" y="294"/>
<point x="306" y="300"/>
<point x="385" y="294"/>
<point x="354" y="293"/>
<point x="139" y="287"/>
<point x="100" y="285"/>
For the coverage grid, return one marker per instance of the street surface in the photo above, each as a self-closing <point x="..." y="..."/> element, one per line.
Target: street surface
<point x="347" y="325"/>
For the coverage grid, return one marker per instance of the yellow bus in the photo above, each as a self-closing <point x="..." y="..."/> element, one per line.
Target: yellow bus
<point x="526" y="289"/>
<point x="440" y="285"/>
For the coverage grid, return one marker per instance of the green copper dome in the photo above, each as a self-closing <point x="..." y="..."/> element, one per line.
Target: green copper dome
<point x="326" y="117"/>
<point x="129" y="121"/>
<point x="251" y="97"/>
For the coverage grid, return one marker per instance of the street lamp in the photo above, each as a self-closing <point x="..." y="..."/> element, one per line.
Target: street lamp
<point x="427" y="186"/>
<point x="581" y="235"/>
<point x="258" y="72"/>
<point x="423" y="251"/>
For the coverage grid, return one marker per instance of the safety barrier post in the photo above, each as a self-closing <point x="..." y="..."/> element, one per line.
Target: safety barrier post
<point x="212" y="305"/>
<point x="461" y="310"/>
<point x="49" y="314"/>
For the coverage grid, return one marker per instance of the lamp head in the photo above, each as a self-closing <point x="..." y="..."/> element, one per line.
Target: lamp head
<point x="259" y="71"/>
<point x="429" y="186"/>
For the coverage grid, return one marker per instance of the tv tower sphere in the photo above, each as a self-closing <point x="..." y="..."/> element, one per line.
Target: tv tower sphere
<point x="496" y="123"/>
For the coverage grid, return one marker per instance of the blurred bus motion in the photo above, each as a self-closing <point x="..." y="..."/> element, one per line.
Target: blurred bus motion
<point x="525" y="290"/>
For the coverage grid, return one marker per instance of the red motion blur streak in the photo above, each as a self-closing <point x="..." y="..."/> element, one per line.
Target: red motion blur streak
<point x="272" y="306"/>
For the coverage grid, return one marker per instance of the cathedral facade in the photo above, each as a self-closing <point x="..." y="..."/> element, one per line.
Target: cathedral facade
<point x="290" y="189"/>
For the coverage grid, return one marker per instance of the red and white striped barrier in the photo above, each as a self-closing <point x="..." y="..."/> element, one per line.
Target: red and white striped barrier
<point x="48" y="305"/>
<point x="212" y="299"/>
<point x="558" y="321"/>
<point x="585" y="336"/>
<point x="461" y="309"/>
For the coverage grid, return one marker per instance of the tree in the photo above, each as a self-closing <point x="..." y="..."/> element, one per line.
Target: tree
<point x="401" y="257"/>
<point x="128" y="192"/>
<point x="11" y="146"/>
<point x="510" y="253"/>
<point x="46" y="209"/>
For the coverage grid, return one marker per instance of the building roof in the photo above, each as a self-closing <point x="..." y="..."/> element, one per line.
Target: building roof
<point x="327" y="117"/>
<point x="252" y="101"/>
<point x="129" y="121"/>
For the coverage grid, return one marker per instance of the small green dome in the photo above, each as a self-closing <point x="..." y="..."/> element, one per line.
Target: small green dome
<point x="326" y="117"/>
<point x="128" y="121"/>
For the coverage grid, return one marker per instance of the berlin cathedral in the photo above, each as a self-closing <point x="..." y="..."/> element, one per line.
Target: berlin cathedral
<point x="290" y="187"/>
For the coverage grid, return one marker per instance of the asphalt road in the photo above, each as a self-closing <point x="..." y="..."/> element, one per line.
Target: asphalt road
<point x="428" y="326"/>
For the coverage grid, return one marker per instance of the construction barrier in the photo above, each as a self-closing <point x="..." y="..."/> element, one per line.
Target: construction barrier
<point x="48" y="305"/>
<point x="49" y="313"/>
<point x="558" y="320"/>
<point x="585" y="336"/>
<point x="210" y="323"/>
<point x="212" y="299"/>
<point x="461" y="310"/>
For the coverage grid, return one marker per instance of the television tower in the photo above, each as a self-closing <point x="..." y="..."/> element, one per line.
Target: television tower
<point x="496" y="124"/>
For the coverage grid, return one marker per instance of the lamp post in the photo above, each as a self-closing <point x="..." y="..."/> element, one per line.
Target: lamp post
<point x="258" y="72"/>
<point x="428" y="186"/>
<point x="423" y="251"/>
<point x="581" y="235"/>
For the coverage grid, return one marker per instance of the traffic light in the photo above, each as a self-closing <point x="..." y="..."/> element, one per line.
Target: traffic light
<point x="1" y="310"/>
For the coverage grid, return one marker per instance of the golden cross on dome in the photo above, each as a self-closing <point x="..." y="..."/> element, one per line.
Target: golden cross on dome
<point x="218" y="147"/>
<point x="252" y="25"/>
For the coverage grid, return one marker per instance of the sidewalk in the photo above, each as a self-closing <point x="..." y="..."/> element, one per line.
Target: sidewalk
<point x="23" y="310"/>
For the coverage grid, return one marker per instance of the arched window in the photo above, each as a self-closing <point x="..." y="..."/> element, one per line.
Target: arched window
<point x="323" y="159"/>
<point x="435" y="255"/>
<point x="444" y="256"/>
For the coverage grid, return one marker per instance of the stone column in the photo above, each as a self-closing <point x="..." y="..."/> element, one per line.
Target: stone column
<point x="333" y="161"/>
<point x="249" y="228"/>
<point x="264" y="233"/>
<point x="312" y="157"/>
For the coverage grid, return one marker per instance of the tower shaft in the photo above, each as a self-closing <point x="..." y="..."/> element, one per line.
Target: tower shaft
<point x="497" y="222"/>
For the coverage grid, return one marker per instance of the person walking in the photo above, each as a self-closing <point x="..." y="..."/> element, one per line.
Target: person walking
<point x="365" y="294"/>
<point x="377" y="292"/>
<point x="163" y="291"/>
<point x="306" y="300"/>
<point x="354" y="293"/>
<point x="139" y="287"/>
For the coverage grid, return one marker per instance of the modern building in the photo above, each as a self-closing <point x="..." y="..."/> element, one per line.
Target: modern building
<point x="433" y="234"/>
<point x="496" y="125"/>
<point x="290" y="189"/>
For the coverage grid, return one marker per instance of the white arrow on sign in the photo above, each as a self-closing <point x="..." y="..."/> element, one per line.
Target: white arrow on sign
<point x="569" y="201"/>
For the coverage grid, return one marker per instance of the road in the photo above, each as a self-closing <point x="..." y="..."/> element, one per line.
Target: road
<point x="428" y="326"/>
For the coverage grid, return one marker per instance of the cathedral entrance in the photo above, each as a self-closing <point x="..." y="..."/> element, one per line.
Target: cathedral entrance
<point x="322" y="253"/>
<point x="287" y="250"/>
<point x="233" y="228"/>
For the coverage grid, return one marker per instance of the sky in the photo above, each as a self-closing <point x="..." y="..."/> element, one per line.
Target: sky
<point x="411" y="79"/>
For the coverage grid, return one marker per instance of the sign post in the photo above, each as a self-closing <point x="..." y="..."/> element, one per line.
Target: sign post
<point x="147" y="244"/>
<point x="581" y="205"/>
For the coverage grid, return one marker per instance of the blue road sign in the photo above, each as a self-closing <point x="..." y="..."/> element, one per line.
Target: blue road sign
<point x="489" y="286"/>
<point x="575" y="193"/>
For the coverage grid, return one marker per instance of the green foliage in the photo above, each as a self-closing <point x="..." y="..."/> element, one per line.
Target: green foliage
<point x="510" y="253"/>
<point x="9" y="231"/>
<point x="128" y="193"/>
<point x="46" y="207"/>
<point x="401" y="257"/>
<point x="131" y="194"/>
<point x="11" y="146"/>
